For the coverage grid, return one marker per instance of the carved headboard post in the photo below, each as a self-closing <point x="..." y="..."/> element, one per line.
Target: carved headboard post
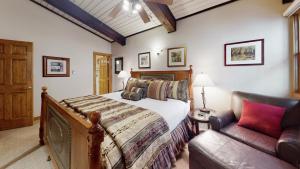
<point x="191" y="91"/>
<point x="96" y="137"/>
<point x="43" y="115"/>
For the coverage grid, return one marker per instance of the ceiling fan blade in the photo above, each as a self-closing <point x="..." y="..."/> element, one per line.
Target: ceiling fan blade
<point x="143" y="14"/>
<point x="116" y="10"/>
<point x="165" y="2"/>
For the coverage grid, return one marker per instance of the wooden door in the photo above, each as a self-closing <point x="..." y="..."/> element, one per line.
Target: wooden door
<point x="102" y="73"/>
<point x="16" y="103"/>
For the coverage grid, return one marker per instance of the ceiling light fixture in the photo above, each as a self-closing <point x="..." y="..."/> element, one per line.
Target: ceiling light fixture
<point x="137" y="6"/>
<point x="132" y="5"/>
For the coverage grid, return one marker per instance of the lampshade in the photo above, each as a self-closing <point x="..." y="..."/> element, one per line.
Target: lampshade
<point x="203" y="80"/>
<point x="123" y="74"/>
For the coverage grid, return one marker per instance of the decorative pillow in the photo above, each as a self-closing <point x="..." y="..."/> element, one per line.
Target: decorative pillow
<point x="178" y="90"/>
<point x="138" y="90"/>
<point x="130" y="83"/>
<point x="144" y="85"/>
<point x="131" y="96"/>
<point x="262" y="117"/>
<point x="157" y="89"/>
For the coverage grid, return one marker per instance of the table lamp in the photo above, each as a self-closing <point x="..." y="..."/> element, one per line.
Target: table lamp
<point x="203" y="80"/>
<point x="123" y="75"/>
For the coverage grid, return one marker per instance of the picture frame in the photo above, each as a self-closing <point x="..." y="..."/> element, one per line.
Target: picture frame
<point x="144" y="60"/>
<point x="56" y="66"/>
<point x="245" y="53"/>
<point x="177" y="57"/>
<point x="118" y="65"/>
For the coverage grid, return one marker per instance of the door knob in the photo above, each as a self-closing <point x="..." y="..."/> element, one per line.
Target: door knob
<point x="29" y="87"/>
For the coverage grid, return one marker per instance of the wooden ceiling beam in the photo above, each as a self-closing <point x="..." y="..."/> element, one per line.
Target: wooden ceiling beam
<point x="76" y="12"/>
<point x="163" y="14"/>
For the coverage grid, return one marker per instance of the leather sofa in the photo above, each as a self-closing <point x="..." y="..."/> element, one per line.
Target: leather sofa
<point x="286" y="148"/>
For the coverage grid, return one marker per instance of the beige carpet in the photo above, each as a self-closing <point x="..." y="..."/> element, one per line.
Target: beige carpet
<point x="25" y="140"/>
<point x="16" y="142"/>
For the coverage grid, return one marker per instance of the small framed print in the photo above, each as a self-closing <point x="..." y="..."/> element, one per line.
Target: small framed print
<point x="144" y="60"/>
<point x="56" y="66"/>
<point x="177" y="57"/>
<point x="244" y="53"/>
<point x="118" y="65"/>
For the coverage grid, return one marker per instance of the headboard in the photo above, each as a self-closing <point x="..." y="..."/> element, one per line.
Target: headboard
<point x="169" y="75"/>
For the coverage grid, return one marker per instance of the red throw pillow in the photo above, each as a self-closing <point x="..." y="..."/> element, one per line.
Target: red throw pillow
<point x="262" y="117"/>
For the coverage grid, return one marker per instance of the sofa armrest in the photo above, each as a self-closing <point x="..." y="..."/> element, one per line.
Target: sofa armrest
<point x="288" y="146"/>
<point x="221" y="119"/>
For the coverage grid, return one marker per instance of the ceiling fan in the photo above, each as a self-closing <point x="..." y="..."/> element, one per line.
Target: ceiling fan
<point x="134" y="6"/>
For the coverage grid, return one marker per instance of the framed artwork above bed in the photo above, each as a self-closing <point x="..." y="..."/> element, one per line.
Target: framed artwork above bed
<point x="177" y="57"/>
<point x="144" y="60"/>
<point x="56" y="66"/>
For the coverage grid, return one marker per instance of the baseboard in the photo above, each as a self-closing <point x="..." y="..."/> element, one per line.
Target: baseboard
<point x="37" y="118"/>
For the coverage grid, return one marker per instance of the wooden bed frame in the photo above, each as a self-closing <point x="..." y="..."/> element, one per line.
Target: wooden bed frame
<point x="74" y="142"/>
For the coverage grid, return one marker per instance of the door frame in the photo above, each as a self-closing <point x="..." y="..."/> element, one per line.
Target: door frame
<point x="109" y="70"/>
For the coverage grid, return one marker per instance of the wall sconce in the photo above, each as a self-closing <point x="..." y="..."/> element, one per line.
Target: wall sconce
<point x="159" y="52"/>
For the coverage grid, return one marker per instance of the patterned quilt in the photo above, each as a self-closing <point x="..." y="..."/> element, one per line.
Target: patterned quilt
<point x="134" y="136"/>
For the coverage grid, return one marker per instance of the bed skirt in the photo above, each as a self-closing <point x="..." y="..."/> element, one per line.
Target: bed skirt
<point x="180" y="136"/>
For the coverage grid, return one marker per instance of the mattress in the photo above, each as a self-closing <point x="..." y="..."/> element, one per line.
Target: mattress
<point x="173" y="111"/>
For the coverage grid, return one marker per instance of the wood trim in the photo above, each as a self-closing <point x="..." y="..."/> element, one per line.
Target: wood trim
<point x="86" y="18"/>
<point x="187" y="16"/>
<point x="89" y="134"/>
<point x="208" y="9"/>
<point x="178" y="74"/>
<point x="37" y="118"/>
<point x="163" y="14"/>
<point x="56" y="13"/>
<point x="45" y="72"/>
<point x="109" y="69"/>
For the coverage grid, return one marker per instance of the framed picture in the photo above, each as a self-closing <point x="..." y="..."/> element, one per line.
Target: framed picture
<point x="118" y="65"/>
<point x="144" y="60"/>
<point x="56" y="66"/>
<point x="177" y="57"/>
<point x="244" y="53"/>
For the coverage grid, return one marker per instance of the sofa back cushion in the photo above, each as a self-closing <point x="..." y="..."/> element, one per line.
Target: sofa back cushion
<point x="289" y="104"/>
<point x="261" y="117"/>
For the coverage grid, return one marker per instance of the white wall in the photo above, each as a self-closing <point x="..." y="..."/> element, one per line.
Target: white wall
<point x="205" y="34"/>
<point x="53" y="36"/>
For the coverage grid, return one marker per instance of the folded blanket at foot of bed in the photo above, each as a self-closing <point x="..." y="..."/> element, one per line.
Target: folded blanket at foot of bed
<point x="134" y="136"/>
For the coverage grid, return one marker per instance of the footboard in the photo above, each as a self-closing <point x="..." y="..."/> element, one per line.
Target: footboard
<point x="73" y="142"/>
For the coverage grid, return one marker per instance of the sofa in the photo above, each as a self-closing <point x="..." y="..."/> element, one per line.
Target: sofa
<point x="286" y="149"/>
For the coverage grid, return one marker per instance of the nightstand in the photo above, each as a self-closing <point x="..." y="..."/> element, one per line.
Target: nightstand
<point x="197" y="117"/>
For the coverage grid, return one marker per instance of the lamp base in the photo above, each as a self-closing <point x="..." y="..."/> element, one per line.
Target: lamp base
<point x="205" y="110"/>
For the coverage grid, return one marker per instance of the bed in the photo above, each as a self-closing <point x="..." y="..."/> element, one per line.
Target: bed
<point x="75" y="141"/>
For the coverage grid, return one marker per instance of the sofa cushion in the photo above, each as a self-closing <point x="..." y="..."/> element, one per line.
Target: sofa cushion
<point x="261" y="117"/>
<point x="238" y="97"/>
<point x="211" y="150"/>
<point x="252" y="138"/>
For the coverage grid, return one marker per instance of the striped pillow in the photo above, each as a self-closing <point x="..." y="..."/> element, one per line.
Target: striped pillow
<point x="178" y="90"/>
<point x="158" y="90"/>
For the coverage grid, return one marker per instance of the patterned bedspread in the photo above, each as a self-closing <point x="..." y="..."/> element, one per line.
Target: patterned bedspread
<point x="134" y="136"/>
